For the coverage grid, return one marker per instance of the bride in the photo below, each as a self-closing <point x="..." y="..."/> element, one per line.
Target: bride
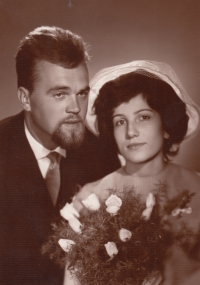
<point x="142" y="110"/>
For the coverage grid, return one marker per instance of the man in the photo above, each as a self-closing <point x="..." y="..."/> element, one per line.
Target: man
<point x="53" y="88"/>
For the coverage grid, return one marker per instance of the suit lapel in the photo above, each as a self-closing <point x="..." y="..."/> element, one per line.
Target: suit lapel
<point x="30" y="188"/>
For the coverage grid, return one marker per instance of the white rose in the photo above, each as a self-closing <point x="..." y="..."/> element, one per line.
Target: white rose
<point x="92" y="202"/>
<point x="125" y="235"/>
<point x="66" y="244"/>
<point x="68" y="212"/>
<point x="75" y="225"/>
<point x="150" y="202"/>
<point x="146" y="214"/>
<point x="113" y="204"/>
<point x="177" y="211"/>
<point x="111" y="249"/>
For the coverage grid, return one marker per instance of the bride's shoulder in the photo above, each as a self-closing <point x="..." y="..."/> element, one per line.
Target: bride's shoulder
<point x="187" y="176"/>
<point x="103" y="183"/>
<point x="183" y="170"/>
<point x="98" y="187"/>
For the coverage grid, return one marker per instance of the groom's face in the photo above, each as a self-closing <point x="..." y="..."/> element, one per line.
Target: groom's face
<point x="58" y="104"/>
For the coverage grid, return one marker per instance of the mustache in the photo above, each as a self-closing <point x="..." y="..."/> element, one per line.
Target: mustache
<point x="71" y="119"/>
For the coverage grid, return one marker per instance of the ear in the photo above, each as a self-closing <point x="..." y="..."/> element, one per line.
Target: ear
<point x="166" y="135"/>
<point x="24" y="98"/>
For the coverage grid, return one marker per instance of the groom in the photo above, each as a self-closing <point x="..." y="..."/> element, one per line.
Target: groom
<point x="53" y="88"/>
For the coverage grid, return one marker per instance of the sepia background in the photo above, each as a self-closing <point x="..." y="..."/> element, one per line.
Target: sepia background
<point x="118" y="31"/>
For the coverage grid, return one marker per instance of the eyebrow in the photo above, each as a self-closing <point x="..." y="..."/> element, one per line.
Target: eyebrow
<point x="141" y="110"/>
<point x="55" y="88"/>
<point x="86" y="89"/>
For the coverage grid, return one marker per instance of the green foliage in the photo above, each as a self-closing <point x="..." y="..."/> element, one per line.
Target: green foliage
<point x="137" y="259"/>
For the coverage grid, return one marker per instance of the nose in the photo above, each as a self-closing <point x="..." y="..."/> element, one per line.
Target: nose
<point x="132" y="131"/>
<point x="72" y="104"/>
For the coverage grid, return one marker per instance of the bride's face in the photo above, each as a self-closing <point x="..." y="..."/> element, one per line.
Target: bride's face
<point x="138" y="131"/>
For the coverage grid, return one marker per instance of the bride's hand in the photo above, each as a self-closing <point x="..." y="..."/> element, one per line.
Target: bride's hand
<point x="68" y="279"/>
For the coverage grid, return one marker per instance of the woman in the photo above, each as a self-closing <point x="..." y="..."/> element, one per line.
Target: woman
<point x="142" y="110"/>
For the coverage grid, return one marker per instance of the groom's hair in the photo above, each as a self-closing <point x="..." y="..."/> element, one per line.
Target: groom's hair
<point x="159" y="95"/>
<point x="51" y="44"/>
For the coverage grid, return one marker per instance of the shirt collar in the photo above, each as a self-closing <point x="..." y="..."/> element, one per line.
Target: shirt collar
<point x="39" y="150"/>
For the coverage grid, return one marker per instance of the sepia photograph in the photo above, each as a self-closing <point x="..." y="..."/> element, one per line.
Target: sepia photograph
<point x="99" y="142"/>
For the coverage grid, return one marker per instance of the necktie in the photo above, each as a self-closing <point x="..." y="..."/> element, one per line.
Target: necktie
<point x="53" y="176"/>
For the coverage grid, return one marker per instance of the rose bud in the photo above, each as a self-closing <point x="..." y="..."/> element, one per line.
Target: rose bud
<point x="150" y="202"/>
<point x="66" y="244"/>
<point x="75" y="225"/>
<point x="92" y="202"/>
<point x="68" y="212"/>
<point x="177" y="211"/>
<point x="125" y="235"/>
<point x="113" y="204"/>
<point x="111" y="249"/>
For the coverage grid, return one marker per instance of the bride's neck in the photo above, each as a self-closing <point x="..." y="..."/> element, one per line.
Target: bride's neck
<point x="145" y="169"/>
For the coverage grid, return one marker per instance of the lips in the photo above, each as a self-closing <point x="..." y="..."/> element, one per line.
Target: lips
<point x="135" y="146"/>
<point x="72" y="122"/>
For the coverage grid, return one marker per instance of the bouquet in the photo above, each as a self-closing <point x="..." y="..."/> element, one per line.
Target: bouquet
<point x="118" y="242"/>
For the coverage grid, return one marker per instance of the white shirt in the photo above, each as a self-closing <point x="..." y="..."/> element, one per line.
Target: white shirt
<point x="41" y="152"/>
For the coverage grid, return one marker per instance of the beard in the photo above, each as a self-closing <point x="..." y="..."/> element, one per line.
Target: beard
<point x="69" y="135"/>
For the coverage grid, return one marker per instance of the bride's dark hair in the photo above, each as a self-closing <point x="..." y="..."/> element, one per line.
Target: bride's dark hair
<point x="159" y="95"/>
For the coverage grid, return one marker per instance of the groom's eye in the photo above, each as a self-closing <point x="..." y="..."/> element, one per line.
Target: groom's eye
<point x="83" y="94"/>
<point x="59" y="95"/>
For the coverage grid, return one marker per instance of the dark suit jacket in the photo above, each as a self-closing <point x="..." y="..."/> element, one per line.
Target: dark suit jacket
<point x="26" y="210"/>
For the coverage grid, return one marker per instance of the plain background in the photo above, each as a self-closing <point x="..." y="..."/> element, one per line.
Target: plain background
<point x="118" y="31"/>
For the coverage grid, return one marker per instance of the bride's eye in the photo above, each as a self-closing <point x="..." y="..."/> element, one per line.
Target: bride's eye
<point x="144" y="118"/>
<point x="120" y="122"/>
